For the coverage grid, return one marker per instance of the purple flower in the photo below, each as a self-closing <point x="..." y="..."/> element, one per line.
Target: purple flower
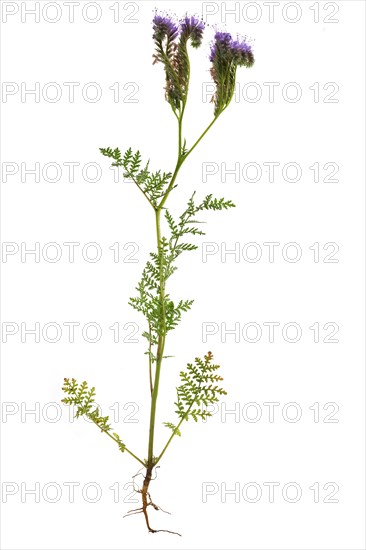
<point x="226" y="55"/>
<point x="242" y="53"/>
<point x="223" y="38"/>
<point x="171" y="50"/>
<point x="192" y="28"/>
<point x="164" y="27"/>
<point x="222" y="42"/>
<point x="229" y="50"/>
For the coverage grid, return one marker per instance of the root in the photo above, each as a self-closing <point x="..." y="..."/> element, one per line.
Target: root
<point x="146" y="502"/>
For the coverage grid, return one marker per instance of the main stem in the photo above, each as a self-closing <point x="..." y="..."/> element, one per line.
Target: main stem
<point x="161" y="340"/>
<point x="151" y="459"/>
<point x="182" y="155"/>
<point x="162" y="328"/>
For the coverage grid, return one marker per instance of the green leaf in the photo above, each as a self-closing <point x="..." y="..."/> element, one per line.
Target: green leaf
<point x="198" y="388"/>
<point x="83" y="398"/>
<point x="172" y="427"/>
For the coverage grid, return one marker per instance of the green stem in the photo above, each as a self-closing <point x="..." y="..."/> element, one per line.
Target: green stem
<point x="179" y="425"/>
<point x="162" y="328"/>
<point x="173" y="434"/>
<point x="150" y="362"/>
<point x="161" y="339"/>
<point x="201" y="136"/>
<point x="142" y="191"/>
<point x="182" y="158"/>
<point x="116" y="440"/>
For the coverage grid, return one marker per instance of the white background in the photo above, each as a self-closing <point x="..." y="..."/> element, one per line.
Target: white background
<point x="228" y="449"/>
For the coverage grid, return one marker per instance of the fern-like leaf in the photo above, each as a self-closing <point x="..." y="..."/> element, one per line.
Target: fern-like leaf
<point x="152" y="184"/>
<point x="172" y="427"/>
<point x="199" y="387"/>
<point x="83" y="398"/>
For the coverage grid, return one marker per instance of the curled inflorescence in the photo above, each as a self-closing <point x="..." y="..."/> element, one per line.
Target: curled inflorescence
<point x="171" y="39"/>
<point x="164" y="27"/>
<point x="227" y="50"/>
<point x="226" y="55"/>
<point x="192" y="29"/>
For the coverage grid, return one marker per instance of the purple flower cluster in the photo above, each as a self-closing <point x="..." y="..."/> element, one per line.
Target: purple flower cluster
<point x="222" y="41"/>
<point x="171" y="38"/>
<point x="192" y="28"/>
<point x="225" y="50"/>
<point x="164" y="27"/>
<point x="188" y="28"/>
<point x="226" y="55"/>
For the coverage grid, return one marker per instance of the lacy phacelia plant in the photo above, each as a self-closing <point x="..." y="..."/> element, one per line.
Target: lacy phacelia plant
<point x="200" y="383"/>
